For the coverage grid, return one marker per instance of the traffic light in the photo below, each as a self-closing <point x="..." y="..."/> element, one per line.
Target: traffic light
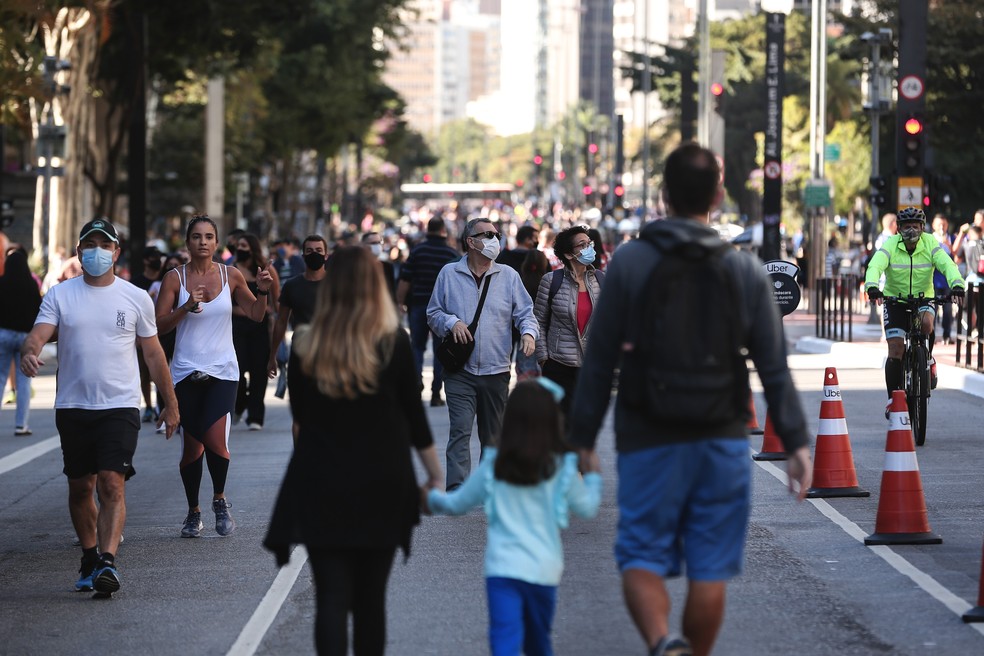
<point x="619" y="191"/>
<point x="593" y="148"/>
<point x="717" y="98"/>
<point x="879" y="186"/>
<point x="427" y="177"/>
<point x="538" y="161"/>
<point x="912" y="146"/>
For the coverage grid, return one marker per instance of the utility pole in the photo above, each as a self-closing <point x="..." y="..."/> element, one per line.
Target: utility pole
<point x="818" y="127"/>
<point x="875" y="106"/>
<point x="647" y="82"/>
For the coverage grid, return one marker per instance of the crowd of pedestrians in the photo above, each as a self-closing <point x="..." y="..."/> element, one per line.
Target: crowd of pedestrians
<point x="557" y="306"/>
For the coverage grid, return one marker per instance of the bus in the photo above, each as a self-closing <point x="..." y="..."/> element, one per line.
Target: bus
<point x="462" y="193"/>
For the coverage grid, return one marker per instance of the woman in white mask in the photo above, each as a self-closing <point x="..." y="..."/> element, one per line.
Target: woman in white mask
<point x="564" y="304"/>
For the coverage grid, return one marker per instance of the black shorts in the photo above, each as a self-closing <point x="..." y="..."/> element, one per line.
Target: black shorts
<point x="204" y="403"/>
<point x="895" y="318"/>
<point x="98" y="440"/>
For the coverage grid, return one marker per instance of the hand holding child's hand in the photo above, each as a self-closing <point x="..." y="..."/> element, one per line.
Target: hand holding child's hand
<point x="588" y="461"/>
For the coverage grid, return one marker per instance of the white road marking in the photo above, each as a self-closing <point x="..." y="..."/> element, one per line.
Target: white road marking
<point x="252" y="634"/>
<point x="930" y="585"/>
<point x="28" y="453"/>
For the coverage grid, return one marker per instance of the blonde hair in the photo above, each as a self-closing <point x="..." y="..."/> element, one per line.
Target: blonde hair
<point x="352" y="332"/>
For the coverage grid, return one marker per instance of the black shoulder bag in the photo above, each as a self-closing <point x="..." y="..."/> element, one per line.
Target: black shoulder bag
<point x="454" y="355"/>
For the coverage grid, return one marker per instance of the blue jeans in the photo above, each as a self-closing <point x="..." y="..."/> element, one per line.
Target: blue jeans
<point x="10" y="345"/>
<point x="419" y="332"/>
<point x="520" y="616"/>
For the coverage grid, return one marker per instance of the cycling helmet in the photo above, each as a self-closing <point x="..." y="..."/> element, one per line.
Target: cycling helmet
<point x="911" y="214"/>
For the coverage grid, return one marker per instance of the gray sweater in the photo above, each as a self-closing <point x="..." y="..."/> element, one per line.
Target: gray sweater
<point x="629" y="269"/>
<point x="564" y="343"/>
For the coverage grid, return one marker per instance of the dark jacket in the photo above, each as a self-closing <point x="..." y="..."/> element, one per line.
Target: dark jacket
<point x="350" y="482"/>
<point x="632" y="266"/>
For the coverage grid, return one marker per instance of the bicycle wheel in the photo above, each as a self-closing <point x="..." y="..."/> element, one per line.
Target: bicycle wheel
<point x="917" y="392"/>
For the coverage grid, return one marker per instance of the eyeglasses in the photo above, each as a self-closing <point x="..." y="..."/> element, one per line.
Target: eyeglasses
<point x="488" y="234"/>
<point x="580" y="247"/>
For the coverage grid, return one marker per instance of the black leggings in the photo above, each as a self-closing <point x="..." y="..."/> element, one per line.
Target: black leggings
<point x="350" y="581"/>
<point x="252" y="342"/>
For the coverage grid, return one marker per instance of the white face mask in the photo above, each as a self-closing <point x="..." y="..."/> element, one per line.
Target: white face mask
<point x="490" y="248"/>
<point x="376" y="249"/>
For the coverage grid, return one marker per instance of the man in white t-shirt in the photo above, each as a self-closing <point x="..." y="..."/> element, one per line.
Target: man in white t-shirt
<point x="99" y="320"/>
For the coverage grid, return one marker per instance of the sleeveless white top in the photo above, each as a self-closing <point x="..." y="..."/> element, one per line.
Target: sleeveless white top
<point x="204" y="339"/>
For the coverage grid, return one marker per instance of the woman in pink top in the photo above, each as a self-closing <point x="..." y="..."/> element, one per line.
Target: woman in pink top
<point x="564" y="302"/>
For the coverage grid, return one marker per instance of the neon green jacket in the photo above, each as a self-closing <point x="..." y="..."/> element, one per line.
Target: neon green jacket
<point x="911" y="274"/>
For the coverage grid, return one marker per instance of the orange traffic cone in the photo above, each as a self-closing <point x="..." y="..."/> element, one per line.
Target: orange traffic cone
<point x="753" y="422"/>
<point x="833" y="463"/>
<point x="902" y="516"/>
<point x="977" y="614"/>
<point x="772" y="448"/>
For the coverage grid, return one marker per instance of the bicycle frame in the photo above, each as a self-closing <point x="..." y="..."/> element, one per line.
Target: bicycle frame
<point x="915" y="362"/>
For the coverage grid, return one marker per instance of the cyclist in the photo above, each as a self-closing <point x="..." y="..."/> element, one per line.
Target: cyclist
<point x="908" y="260"/>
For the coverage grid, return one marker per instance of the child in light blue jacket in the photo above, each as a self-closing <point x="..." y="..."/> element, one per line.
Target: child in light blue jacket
<point x="528" y="487"/>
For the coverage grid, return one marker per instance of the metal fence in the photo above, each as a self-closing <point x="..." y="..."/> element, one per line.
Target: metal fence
<point x="970" y="329"/>
<point x="838" y="299"/>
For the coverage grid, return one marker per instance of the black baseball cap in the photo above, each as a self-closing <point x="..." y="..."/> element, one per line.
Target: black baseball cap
<point x="99" y="225"/>
<point x="152" y="251"/>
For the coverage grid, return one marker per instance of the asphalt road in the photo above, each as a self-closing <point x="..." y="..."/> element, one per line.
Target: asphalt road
<point x="810" y="586"/>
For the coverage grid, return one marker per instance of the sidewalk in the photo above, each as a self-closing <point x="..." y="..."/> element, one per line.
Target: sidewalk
<point x="868" y="349"/>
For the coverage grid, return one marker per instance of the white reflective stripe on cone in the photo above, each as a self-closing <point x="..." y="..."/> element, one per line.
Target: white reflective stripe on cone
<point x="901" y="461"/>
<point x="832" y="427"/>
<point x="899" y="421"/>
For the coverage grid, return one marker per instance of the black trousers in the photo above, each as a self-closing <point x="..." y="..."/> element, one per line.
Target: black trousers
<point x="565" y="376"/>
<point x="252" y="342"/>
<point x="350" y="581"/>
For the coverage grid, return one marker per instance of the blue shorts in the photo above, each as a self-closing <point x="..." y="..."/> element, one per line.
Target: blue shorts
<point x="686" y="502"/>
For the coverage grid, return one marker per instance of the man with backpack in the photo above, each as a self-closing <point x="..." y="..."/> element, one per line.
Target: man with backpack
<point x="679" y="313"/>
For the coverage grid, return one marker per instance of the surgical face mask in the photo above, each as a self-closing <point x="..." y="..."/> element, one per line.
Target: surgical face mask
<point x="376" y="249"/>
<point x="911" y="232"/>
<point x="314" y="261"/>
<point x="587" y="255"/>
<point x="96" y="261"/>
<point x="490" y="248"/>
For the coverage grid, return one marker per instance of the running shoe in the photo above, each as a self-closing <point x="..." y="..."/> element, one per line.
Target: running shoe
<point x="105" y="578"/>
<point x="253" y="426"/>
<point x="671" y="646"/>
<point x="86" y="570"/>
<point x="23" y="430"/>
<point x="224" y="524"/>
<point x="193" y="525"/>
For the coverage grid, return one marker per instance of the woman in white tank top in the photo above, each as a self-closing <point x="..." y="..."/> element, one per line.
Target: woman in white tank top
<point x="196" y="299"/>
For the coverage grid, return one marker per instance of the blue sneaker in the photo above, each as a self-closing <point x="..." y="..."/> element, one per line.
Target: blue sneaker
<point x="84" y="584"/>
<point x="224" y="524"/>
<point x="105" y="578"/>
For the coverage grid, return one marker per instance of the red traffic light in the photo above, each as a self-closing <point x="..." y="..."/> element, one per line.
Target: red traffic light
<point x="619" y="190"/>
<point x="717" y="89"/>
<point x="593" y="148"/>
<point x="561" y="175"/>
<point x="519" y="183"/>
<point x="427" y="177"/>
<point x="587" y="190"/>
<point x="538" y="160"/>
<point x="913" y="126"/>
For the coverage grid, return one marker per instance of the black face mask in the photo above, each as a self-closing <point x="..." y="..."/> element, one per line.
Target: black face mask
<point x="242" y="256"/>
<point x="154" y="265"/>
<point x="314" y="261"/>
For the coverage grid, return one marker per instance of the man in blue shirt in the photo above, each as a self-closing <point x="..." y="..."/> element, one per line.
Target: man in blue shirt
<point x="479" y="390"/>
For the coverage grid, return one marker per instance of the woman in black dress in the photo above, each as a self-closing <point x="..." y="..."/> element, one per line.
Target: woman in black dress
<point x="350" y="495"/>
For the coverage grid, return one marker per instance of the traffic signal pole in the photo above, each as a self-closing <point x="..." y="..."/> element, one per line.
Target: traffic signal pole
<point x="910" y="152"/>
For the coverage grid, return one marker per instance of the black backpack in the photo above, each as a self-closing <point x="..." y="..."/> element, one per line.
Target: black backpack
<point x="686" y="367"/>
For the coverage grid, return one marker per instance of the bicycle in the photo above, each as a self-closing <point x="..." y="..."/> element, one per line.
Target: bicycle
<point x="915" y="362"/>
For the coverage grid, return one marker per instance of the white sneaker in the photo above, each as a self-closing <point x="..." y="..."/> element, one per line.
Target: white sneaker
<point x="254" y="426"/>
